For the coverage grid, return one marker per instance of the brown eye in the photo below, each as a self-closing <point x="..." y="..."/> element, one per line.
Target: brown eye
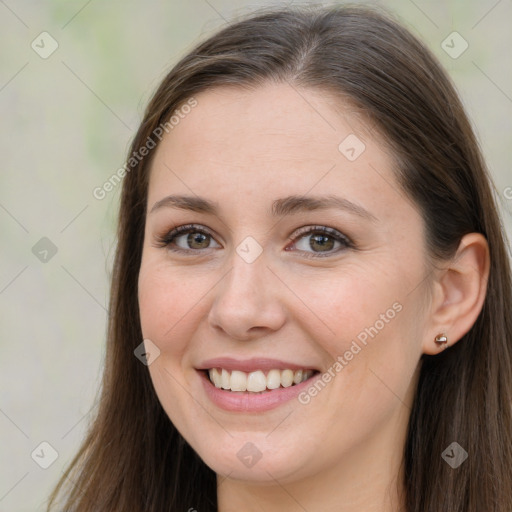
<point x="318" y="241"/>
<point x="197" y="240"/>
<point x="321" y="242"/>
<point x="188" y="238"/>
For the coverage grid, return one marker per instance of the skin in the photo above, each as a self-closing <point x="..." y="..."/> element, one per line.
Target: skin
<point x="244" y="149"/>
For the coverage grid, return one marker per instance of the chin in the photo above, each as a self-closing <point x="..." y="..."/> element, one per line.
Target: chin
<point x="255" y="461"/>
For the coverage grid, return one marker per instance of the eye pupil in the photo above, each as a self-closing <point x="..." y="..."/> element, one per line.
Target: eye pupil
<point x="324" y="242"/>
<point x="199" y="238"/>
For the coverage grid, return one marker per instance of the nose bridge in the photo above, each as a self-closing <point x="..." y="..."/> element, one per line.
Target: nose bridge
<point x="248" y="263"/>
<point x="247" y="281"/>
<point x="246" y="298"/>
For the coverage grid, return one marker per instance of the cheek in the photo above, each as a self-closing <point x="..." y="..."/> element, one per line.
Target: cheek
<point x="166" y="304"/>
<point x="348" y="304"/>
<point x="368" y="323"/>
<point x="169" y="307"/>
<point x="156" y="304"/>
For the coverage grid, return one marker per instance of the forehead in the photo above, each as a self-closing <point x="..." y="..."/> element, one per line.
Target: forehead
<point x="272" y="140"/>
<point x="270" y="118"/>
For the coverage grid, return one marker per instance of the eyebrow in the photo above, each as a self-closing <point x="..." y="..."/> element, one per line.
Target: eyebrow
<point x="280" y="207"/>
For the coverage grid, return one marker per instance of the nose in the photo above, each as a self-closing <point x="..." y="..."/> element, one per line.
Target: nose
<point x="247" y="304"/>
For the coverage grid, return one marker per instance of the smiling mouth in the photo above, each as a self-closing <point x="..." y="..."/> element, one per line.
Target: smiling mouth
<point x="257" y="381"/>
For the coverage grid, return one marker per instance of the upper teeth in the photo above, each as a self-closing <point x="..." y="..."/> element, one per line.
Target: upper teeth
<point x="256" y="381"/>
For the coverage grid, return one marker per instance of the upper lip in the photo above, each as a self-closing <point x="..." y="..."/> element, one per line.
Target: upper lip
<point x="251" y="365"/>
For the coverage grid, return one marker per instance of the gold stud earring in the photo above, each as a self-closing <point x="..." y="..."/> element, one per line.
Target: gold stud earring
<point x="441" y="339"/>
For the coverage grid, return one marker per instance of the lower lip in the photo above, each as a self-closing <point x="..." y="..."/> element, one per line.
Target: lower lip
<point x="245" y="401"/>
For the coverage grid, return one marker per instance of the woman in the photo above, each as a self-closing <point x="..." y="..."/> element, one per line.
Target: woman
<point x="311" y="296"/>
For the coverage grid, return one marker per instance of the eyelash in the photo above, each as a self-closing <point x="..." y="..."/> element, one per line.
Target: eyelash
<point x="167" y="239"/>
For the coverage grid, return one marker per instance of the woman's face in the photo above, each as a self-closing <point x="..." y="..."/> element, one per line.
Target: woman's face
<point x="305" y="261"/>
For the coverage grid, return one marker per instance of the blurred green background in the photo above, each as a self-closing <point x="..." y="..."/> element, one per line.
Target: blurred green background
<point x="67" y="118"/>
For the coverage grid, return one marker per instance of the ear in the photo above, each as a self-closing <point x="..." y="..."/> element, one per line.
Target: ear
<point x="459" y="292"/>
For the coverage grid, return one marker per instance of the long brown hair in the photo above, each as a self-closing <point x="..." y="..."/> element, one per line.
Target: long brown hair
<point x="133" y="458"/>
